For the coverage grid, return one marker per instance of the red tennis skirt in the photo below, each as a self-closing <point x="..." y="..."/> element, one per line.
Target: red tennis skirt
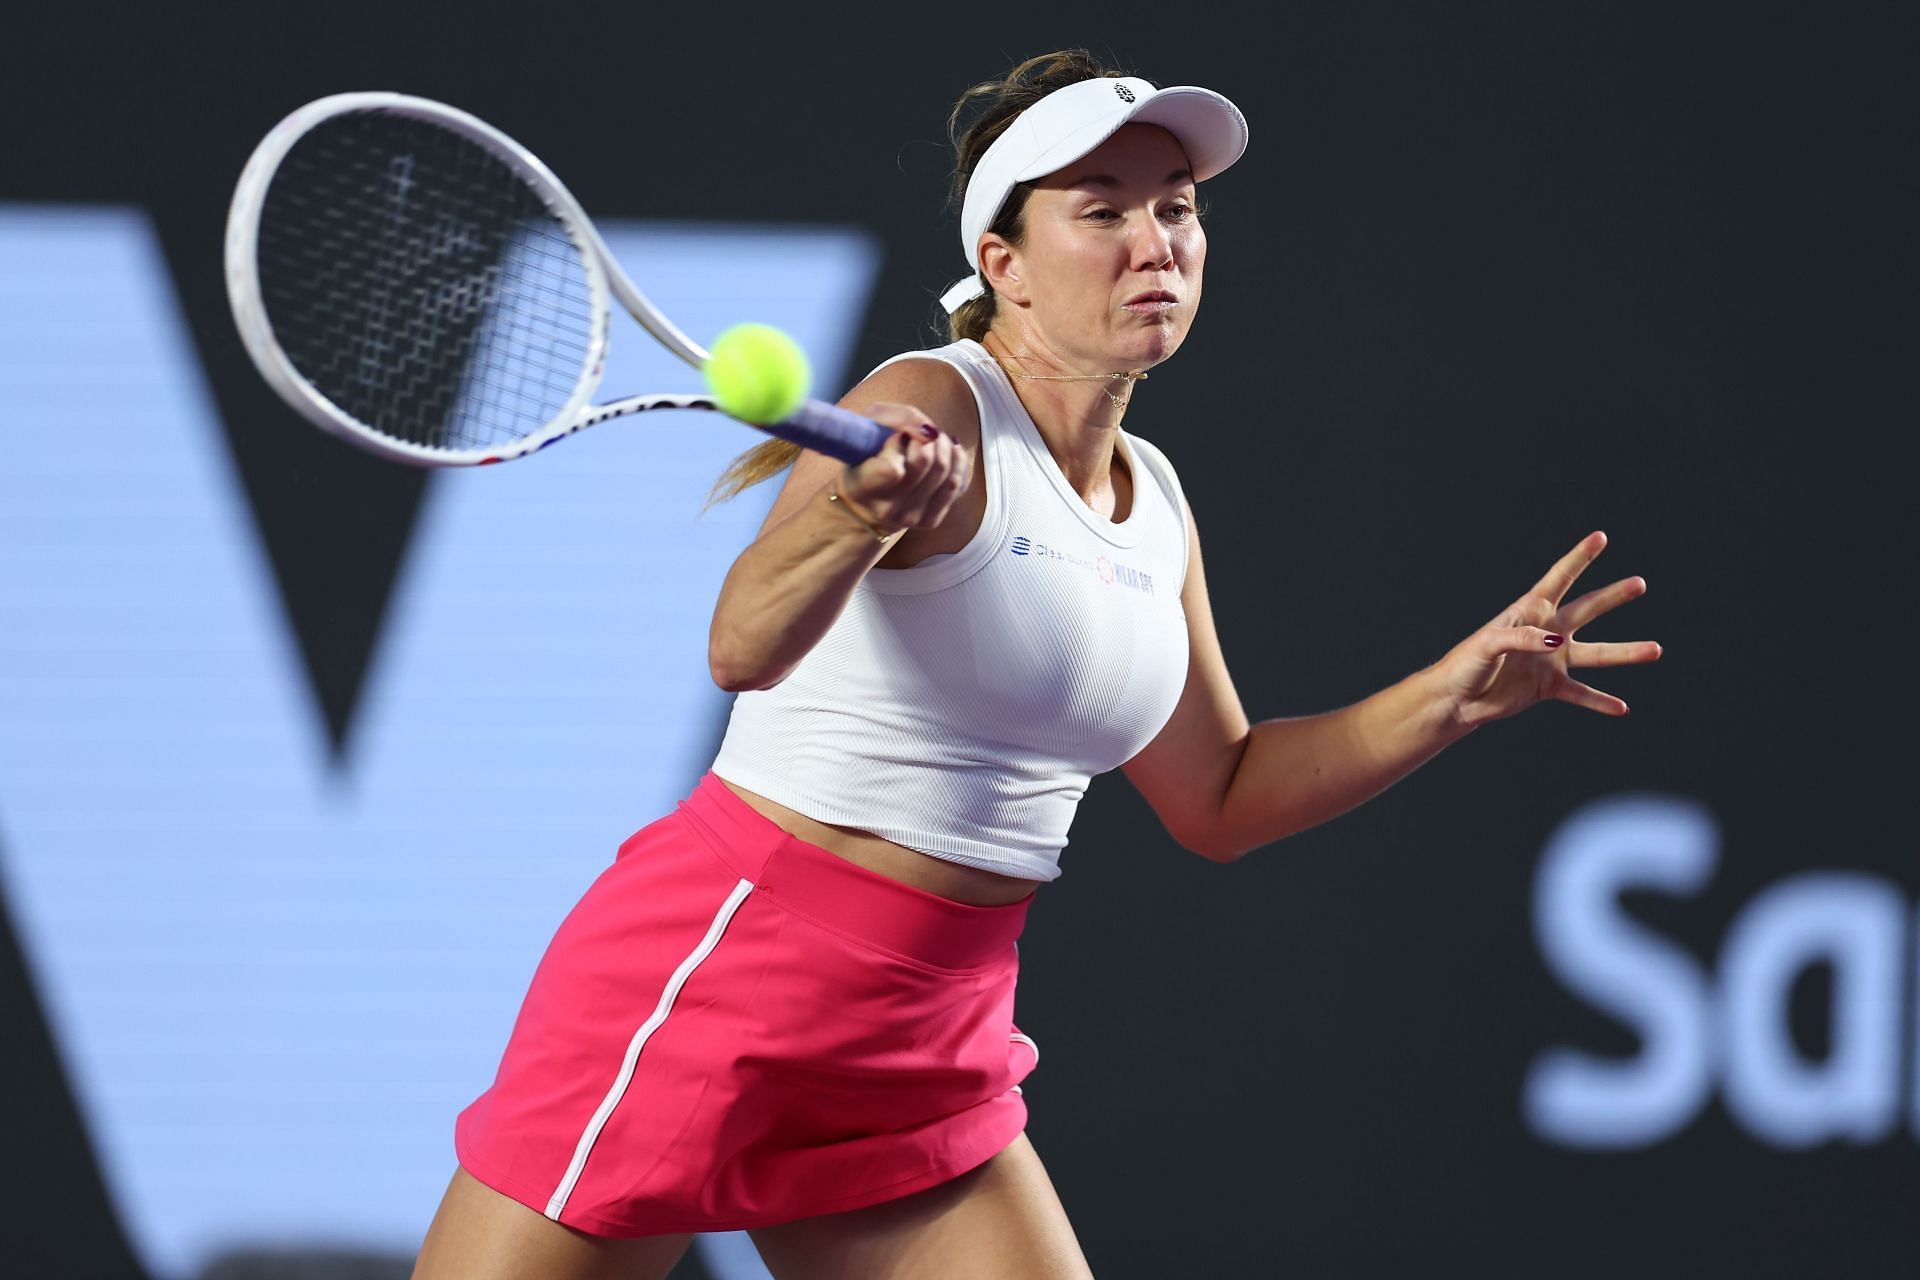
<point x="735" y="1028"/>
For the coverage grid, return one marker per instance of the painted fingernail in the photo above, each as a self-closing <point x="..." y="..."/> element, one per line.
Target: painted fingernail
<point x="905" y="443"/>
<point x="929" y="431"/>
<point x="1554" y="642"/>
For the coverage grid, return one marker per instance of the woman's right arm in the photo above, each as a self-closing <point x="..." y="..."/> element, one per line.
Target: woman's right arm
<point x="792" y="581"/>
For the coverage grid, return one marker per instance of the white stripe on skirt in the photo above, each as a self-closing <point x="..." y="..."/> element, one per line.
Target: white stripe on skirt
<point x="639" y="1041"/>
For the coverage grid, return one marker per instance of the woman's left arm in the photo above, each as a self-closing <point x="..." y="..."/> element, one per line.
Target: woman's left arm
<point x="1224" y="787"/>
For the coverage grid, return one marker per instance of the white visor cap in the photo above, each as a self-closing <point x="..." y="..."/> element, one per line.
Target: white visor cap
<point x="1067" y="124"/>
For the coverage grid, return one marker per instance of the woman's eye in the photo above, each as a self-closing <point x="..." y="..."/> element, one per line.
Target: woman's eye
<point x="1102" y="215"/>
<point x="1178" y="212"/>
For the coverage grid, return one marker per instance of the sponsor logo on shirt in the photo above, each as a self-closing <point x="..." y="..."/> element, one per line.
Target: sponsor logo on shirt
<point x="1108" y="571"/>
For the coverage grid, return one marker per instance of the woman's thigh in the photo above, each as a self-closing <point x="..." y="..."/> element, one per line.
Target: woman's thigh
<point x="1001" y="1221"/>
<point x="479" y="1234"/>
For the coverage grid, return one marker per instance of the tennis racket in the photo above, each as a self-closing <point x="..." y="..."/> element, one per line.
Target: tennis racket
<point x="417" y="283"/>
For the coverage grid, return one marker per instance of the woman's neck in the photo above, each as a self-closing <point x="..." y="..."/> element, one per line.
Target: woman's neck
<point x="1077" y="413"/>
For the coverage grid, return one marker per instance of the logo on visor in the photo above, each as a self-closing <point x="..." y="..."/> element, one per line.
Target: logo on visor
<point x="1126" y="94"/>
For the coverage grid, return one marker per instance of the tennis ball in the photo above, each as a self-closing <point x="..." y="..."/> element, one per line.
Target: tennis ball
<point x="757" y="373"/>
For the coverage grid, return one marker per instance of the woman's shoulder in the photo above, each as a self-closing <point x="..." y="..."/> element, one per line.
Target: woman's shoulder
<point x="935" y="382"/>
<point x="956" y="365"/>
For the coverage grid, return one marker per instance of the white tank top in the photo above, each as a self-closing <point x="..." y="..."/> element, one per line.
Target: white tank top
<point x="960" y="707"/>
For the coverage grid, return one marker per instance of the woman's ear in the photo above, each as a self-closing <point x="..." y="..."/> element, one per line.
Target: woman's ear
<point x="1000" y="267"/>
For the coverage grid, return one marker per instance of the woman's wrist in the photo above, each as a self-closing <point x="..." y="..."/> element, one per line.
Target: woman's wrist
<point x="1441" y="709"/>
<point x="836" y="499"/>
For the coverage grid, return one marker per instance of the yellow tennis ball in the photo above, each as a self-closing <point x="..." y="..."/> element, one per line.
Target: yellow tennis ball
<point x="757" y="373"/>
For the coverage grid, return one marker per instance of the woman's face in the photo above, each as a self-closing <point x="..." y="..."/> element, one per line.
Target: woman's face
<point x="1109" y="268"/>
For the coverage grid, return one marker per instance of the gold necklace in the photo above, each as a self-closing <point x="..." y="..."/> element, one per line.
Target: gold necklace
<point x="1119" y="402"/>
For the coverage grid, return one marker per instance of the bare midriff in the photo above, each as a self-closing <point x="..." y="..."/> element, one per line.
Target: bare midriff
<point x="971" y="885"/>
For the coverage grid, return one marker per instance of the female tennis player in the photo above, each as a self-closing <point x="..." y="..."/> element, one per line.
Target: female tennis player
<point x="787" y="1006"/>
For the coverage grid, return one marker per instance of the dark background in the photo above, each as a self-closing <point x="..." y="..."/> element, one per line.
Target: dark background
<point x="1490" y="276"/>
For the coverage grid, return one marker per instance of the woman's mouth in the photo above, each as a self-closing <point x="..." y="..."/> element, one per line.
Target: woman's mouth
<point x="1152" y="302"/>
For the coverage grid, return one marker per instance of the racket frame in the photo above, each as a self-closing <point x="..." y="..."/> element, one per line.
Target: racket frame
<point x="604" y="275"/>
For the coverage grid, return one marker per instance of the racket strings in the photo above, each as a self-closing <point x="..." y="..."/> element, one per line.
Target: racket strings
<point x="421" y="285"/>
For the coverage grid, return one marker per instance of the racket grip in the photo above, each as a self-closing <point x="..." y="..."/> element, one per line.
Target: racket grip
<point x="831" y="430"/>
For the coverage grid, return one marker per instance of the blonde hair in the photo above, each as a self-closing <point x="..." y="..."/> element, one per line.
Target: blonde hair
<point x="997" y="103"/>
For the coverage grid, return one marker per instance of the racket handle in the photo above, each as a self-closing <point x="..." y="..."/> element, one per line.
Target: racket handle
<point x="833" y="431"/>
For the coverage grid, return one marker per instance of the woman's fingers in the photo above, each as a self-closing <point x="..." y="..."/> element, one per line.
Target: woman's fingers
<point x="911" y="482"/>
<point x="894" y="462"/>
<point x="1582" y="695"/>
<point x="944" y="481"/>
<point x="1560" y="579"/>
<point x="1622" y="654"/>
<point x="937" y="455"/>
<point x="1594" y="603"/>
<point x="907" y="422"/>
<point x="1499" y="640"/>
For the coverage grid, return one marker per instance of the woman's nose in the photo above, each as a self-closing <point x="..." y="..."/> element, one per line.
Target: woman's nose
<point x="1153" y="247"/>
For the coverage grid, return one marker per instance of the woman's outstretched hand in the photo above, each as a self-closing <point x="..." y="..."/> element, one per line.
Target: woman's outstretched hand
<point x="1523" y="655"/>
